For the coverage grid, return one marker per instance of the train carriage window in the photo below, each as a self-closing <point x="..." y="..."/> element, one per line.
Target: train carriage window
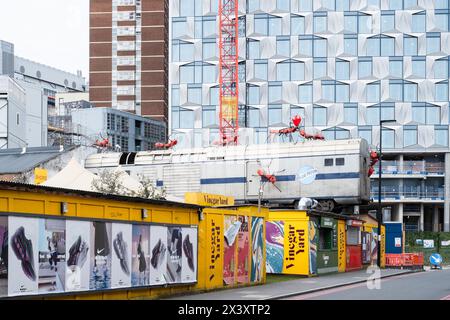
<point x="340" y="161"/>
<point x="123" y="158"/>
<point x="329" y="162"/>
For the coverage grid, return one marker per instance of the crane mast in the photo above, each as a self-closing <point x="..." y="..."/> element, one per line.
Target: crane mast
<point x="229" y="77"/>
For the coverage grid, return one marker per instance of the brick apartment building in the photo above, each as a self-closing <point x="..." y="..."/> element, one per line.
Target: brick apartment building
<point x="129" y="56"/>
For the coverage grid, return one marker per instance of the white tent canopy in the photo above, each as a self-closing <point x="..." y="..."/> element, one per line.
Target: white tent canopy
<point x="75" y="177"/>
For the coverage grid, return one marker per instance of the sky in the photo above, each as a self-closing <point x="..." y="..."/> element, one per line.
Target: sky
<point x="51" y="32"/>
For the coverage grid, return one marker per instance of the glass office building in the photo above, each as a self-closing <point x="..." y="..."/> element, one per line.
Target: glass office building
<point x="343" y="65"/>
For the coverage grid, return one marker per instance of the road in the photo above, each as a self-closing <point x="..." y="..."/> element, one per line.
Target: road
<point x="429" y="285"/>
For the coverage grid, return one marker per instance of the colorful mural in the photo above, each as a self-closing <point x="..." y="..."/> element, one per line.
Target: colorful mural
<point x="229" y="249"/>
<point x="243" y="251"/>
<point x="274" y="246"/>
<point x="257" y="250"/>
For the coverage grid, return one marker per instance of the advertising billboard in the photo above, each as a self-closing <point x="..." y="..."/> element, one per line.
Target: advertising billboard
<point x="140" y="257"/>
<point x="158" y="251"/>
<point x="100" y="257"/>
<point x="78" y="247"/>
<point x="121" y="257"/>
<point x="188" y="267"/>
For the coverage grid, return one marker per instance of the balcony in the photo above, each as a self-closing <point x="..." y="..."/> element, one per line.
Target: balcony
<point x="412" y="168"/>
<point x="437" y="194"/>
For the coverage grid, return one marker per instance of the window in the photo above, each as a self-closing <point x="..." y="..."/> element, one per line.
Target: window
<point x="383" y="111"/>
<point x="260" y="136"/>
<point x="179" y="27"/>
<point x="396" y="67"/>
<point x="275" y="91"/>
<point x="290" y="70"/>
<point x="305" y="5"/>
<point x="419" y="22"/>
<point x="182" y="118"/>
<point x="441" y="19"/>
<point x="441" y="91"/>
<point x="297" y="25"/>
<point x="409" y="45"/>
<point x="125" y="75"/>
<point x="342" y="5"/>
<point x="380" y="45"/>
<point x="125" y="90"/>
<point x="214" y="93"/>
<point x="253" y="50"/>
<point x="400" y="90"/>
<point x="205" y="27"/>
<point x="297" y="111"/>
<point x="252" y="5"/>
<point x="351" y="22"/>
<point x="126" y="45"/>
<point x="283" y="5"/>
<point x="388" y="138"/>
<point x="194" y="94"/>
<point x="342" y="70"/>
<point x="126" y="31"/>
<point x="351" y="44"/>
<point x="365" y="132"/>
<point x="126" y="61"/>
<point x="283" y="46"/>
<point x="320" y="22"/>
<point x="319" y="116"/>
<point x="409" y="136"/>
<point x="441" y="4"/>
<point x="426" y="113"/>
<point x="241" y="72"/>
<point x="209" y="73"/>
<point x="329" y="4"/>
<point x="260" y="68"/>
<point x="440" y="68"/>
<point x="275" y="114"/>
<point x="267" y="25"/>
<point x="433" y="42"/>
<point x="418" y="66"/>
<point x="175" y="95"/>
<point x="340" y="161"/>
<point x="254" y="117"/>
<point x="395" y="5"/>
<point x="182" y="51"/>
<point x="387" y="21"/>
<point x="373" y="92"/>
<point x="329" y="162"/>
<point x="320" y="68"/>
<point x="209" y="49"/>
<point x="305" y="45"/>
<point x="335" y="91"/>
<point x="441" y="135"/>
<point x="320" y="47"/>
<point x="336" y="134"/>
<point x="209" y="116"/>
<point x="365" y="67"/>
<point x="351" y="113"/>
<point x="252" y="94"/>
<point x="305" y="93"/>
<point x="375" y="3"/>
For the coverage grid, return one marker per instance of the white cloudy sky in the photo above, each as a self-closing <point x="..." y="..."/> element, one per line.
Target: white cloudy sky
<point x="52" y="32"/>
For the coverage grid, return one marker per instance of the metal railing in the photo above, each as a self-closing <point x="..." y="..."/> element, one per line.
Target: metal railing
<point x="412" y="167"/>
<point x="433" y="195"/>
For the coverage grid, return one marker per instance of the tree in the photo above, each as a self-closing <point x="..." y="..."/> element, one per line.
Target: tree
<point x="148" y="190"/>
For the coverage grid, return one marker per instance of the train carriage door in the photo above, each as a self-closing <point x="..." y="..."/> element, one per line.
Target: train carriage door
<point x="253" y="180"/>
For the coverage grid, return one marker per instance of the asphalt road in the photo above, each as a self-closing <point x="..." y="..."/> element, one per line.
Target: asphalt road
<point x="429" y="285"/>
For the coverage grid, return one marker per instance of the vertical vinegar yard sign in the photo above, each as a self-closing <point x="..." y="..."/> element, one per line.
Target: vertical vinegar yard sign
<point x="341" y="246"/>
<point x="214" y="250"/>
<point x="296" y="247"/>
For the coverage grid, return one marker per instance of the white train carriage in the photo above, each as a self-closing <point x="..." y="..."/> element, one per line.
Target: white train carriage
<point x="328" y="171"/>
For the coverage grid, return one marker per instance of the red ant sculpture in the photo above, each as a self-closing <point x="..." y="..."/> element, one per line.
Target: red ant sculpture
<point x="289" y="131"/>
<point x="102" y="144"/>
<point x="170" y="144"/>
<point x="307" y="136"/>
<point x="374" y="158"/>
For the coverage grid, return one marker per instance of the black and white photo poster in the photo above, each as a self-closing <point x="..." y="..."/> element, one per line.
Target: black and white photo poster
<point x="78" y="238"/>
<point x="174" y="248"/>
<point x="189" y="257"/>
<point x="100" y="257"/>
<point x="23" y="256"/>
<point x="52" y="255"/>
<point x="121" y="256"/>
<point x="140" y="275"/>
<point x="3" y="256"/>
<point x="158" y="252"/>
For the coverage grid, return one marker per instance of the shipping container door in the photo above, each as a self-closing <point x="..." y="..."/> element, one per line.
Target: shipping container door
<point x="253" y="180"/>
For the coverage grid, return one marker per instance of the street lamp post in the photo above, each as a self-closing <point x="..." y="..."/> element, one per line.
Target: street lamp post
<point x="379" y="213"/>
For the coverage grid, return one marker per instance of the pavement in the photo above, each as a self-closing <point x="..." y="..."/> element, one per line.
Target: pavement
<point x="428" y="285"/>
<point x="290" y="288"/>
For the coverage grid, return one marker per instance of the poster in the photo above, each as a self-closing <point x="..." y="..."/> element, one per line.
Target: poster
<point x="100" y="256"/>
<point x="243" y="251"/>
<point x="23" y="256"/>
<point x="214" y="247"/>
<point x="140" y="256"/>
<point x="78" y="249"/>
<point x="174" y="247"/>
<point x="374" y="246"/>
<point x="121" y="255"/>
<point x="189" y="257"/>
<point x="158" y="254"/>
<point x="313" y="240"/>
<point x="229" y="249"/>
<point x="257" y="249"/>
<point x="427" y="244"/>
<point x="52" y="255"/>
<point x="274" y="246"/>
<point x="296" y="245"/>
<point x="3" y="256"/>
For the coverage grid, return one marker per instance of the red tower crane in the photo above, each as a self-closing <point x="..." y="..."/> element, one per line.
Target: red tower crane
<point x="229" y="77"/>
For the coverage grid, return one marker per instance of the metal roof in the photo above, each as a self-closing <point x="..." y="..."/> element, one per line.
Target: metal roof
<point x="23" y="160"/>
<point x="6" y="185"/>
